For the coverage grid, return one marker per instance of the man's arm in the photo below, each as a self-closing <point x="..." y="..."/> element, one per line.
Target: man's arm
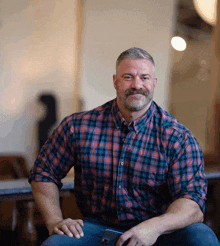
<point x="46" y="195"/>
<point x="181" y="213"/>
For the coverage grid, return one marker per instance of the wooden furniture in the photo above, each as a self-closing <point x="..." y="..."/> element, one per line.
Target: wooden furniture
<point x="212" y="214"/>
<point x="12" y="166"/>
<point x="20" y="191"/>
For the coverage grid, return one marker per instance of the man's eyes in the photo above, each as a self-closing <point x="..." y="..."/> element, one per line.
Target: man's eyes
<point x="145" y="78"/>
<point x="129" y="77"/>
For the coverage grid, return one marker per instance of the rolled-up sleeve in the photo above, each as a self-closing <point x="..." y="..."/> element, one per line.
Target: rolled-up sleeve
<point x="186" y="176"/>
<point x="56" y="156"/>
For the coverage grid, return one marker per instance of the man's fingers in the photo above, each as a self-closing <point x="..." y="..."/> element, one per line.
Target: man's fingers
<point x="57" y="231"/>
<point x="66" y="230"/>
<point x="75" y="228"/>
<point x="132" y="242"/>
<point x="69" y="227"/>
<point x="80" y="222"/>
<point x="79" y="229"/>
<point x="74" y="231"/>
<point x="123" y="238"/>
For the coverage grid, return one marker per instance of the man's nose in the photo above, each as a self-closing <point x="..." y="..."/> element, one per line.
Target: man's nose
<point x="137" y="82"/>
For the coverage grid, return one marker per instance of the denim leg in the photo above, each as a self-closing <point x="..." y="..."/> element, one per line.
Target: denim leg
<point x="92" y="236"/>
<point x="193" y="235"/>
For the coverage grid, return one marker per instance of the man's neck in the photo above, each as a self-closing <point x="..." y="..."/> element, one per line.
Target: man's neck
<point x="130" y="116"/>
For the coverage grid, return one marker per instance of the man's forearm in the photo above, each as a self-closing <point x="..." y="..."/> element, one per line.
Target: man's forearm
<point x="46" y="195"/>
<point x="181" y="213"/>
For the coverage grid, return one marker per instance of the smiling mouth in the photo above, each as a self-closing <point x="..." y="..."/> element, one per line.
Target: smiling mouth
<point x="136" y="95"/>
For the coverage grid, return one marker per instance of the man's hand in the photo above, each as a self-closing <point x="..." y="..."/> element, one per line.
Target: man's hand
<point x="68" y="226"/>
<point x="144" y="234"/>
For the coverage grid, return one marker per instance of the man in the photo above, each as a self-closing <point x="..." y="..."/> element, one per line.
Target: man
<point x="137" y="169"/>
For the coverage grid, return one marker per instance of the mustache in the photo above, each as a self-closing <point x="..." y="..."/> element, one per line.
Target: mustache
<point x="133" y="91"/>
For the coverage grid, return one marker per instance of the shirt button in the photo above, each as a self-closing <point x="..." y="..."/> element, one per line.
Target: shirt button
<point x="122" y="163"/>
<point x="119" y="186"/>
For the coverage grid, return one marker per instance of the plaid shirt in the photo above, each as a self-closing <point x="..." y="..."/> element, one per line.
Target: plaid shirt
<point x="124" y="173"/>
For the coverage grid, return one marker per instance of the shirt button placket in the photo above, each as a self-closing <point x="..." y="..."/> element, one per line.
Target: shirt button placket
<point x="121" y="163"/>
<point x="120" y="196"/>
<point x="119" y="185"/>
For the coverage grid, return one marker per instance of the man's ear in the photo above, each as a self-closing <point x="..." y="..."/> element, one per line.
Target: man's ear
<point x="114" y="80"/>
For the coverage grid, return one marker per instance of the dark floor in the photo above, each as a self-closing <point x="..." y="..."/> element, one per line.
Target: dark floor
<point x="8" y="238"/>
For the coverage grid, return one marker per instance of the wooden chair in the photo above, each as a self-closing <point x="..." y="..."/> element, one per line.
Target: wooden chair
<point x="13" y="167"/>
<point x="18" y="216"/>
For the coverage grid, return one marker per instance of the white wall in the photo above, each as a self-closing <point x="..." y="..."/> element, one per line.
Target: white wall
<point x="38" y="46"/>
<point x="190" y="87"/>
<point x="111" y="27"/>
<point x="38" y="54"/>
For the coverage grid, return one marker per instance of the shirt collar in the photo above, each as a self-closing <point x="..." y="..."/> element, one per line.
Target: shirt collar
<point x="136" y="125"/>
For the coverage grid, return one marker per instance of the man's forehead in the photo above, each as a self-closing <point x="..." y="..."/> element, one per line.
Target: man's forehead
<point x="135" y="64"/>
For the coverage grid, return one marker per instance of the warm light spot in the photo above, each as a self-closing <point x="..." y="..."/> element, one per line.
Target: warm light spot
<point x="178" y="43"/>
<point x="207" y="9"/>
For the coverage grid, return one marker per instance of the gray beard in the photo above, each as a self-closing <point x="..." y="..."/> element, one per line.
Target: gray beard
<point x="137" y="107"/>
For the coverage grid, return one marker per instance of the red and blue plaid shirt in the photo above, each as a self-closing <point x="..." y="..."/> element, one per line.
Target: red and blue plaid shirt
<point x="124" y="173"/>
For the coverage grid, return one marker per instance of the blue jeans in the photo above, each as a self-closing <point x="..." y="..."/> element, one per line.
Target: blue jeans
<point x="193" y="235"/>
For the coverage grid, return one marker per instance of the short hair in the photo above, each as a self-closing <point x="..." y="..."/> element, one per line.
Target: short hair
<point x="134" y="53"/>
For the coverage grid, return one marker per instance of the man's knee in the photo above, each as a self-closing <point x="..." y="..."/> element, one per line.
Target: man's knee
<point x="57" y="240"/>
<point x="200" y="234"/>
<point x="193" y="235"/>
<point x="92" y="233"/>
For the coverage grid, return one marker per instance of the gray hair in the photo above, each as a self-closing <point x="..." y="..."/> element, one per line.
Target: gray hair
<point x="134" y="53"/>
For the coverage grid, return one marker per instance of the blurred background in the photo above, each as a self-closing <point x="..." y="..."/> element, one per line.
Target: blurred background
<point x="57" y="57"/>
<point x="68" y="49"/>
